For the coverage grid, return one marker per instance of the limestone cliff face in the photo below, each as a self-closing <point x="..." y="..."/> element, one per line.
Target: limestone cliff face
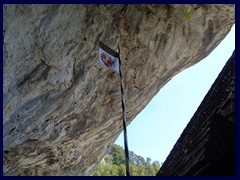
<point x="62" y="112"/>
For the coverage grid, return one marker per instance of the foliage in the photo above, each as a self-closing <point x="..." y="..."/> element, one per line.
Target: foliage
<point x="186" y="14"/>
<point x="113" y="164"/>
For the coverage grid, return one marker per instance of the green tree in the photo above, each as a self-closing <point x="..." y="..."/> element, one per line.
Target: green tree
<point x="151" y="171"/>
<point x="141" y="171"/>
<point x="148" y="161"/>
<point x="134" y="169"/>
<point x="122" y="170"/>
<point x="118" y="155"/>
<point x="99" y="170"/>
<point x="115" y="170"/>
<point x="113" y="164"/>
<point x="108" y="159"/>
<point x="106" y="173"/>
<point x="140" y="161"/>
<point x="156" y="166"/>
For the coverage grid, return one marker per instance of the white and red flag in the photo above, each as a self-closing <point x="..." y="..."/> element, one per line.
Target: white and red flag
<point x="108" y="57"/>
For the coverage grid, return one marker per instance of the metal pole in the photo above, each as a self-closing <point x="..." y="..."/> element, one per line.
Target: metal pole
<point x="124" y="118"/>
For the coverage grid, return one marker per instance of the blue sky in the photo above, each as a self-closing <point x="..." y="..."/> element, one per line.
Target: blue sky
<point x="156" y="129"/>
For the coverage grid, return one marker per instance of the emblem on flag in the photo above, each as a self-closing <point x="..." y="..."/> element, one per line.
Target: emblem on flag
<point x="108" y="57"/>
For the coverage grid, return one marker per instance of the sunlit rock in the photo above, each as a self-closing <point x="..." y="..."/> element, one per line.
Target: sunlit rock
<point x="62" y="113"/>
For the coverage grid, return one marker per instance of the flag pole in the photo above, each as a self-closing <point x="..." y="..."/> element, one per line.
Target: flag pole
<point x="124" y="118"/>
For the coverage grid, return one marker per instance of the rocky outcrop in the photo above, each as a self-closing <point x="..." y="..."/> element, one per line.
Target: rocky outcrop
<point x="62" y="112"/>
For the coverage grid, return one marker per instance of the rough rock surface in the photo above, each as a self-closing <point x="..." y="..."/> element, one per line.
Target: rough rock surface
<point x="62" y="112"/>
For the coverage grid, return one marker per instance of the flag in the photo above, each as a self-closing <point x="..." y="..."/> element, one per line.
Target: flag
<point x="108" y="57"/>
<point x="111" y="59"/>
